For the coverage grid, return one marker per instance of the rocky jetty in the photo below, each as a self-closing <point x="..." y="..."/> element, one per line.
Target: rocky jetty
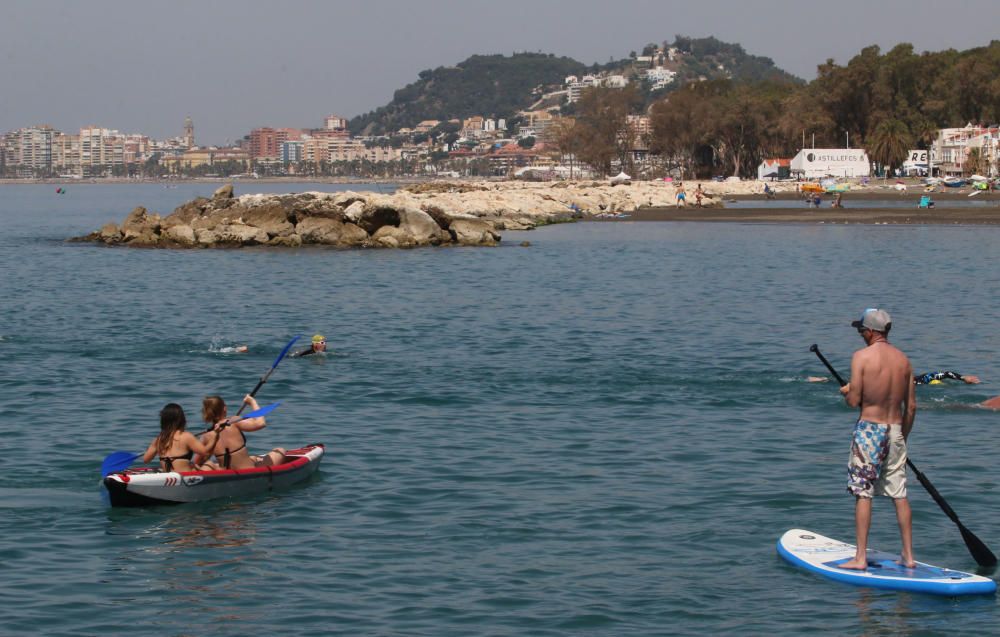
<point x="428" y="214"/>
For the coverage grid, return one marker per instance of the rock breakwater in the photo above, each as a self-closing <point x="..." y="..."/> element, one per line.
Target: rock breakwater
<point x="429" y="214"/>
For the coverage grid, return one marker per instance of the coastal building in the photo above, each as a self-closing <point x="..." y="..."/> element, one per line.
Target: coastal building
<point x="774" y="169"/>
<point x="335" y="122"/>
<point x="917" y="163"/>
<point x="291" y="152"/>
<point x="29" y="148"/>
<point x="205" y="156"/>
<point x="816" y="163"/>
<point x="960" y="152"/>
<point x="265" y="142"/>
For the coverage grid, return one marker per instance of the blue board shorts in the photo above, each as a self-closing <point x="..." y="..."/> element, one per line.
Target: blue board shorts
<point x="877" y="465"/>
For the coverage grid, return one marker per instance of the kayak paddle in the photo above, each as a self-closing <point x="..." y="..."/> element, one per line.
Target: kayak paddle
<point x="980" y="552"/>
<point x="121" y="460"/>
<point x="263" y="379"/>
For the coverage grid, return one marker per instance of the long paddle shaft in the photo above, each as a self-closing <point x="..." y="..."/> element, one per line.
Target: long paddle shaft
<point x="121" y="460"/>
<point x="980" y="552"/>
<point x="263" y="379"/>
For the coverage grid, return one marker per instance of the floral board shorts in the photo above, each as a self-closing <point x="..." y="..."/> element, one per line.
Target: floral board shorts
<point x="877" y="465"/>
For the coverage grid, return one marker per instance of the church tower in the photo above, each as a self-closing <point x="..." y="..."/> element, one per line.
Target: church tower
<point x="188" y="132"/>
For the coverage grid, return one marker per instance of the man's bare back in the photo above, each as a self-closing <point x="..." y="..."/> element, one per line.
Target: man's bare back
<point x="882" y="384"/>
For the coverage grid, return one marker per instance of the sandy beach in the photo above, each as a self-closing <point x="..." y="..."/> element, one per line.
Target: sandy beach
<point x="859" y="207"/>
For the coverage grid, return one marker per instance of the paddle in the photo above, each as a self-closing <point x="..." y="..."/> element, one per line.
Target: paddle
<point x="121" y="460"/>
<point x="263" y="379"/>
<point x="980" y="552"/>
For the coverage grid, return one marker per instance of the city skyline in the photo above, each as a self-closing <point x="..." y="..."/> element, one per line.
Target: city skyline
<point x="233" y="66"/>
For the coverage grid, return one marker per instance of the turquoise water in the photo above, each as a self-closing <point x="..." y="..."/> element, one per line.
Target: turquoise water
<point x="603" y="433"/>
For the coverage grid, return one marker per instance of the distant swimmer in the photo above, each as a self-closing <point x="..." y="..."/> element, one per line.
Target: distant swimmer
<point x="318" y="346"/>
<point x="935" y="378"/>
<point x="930" y="378"/>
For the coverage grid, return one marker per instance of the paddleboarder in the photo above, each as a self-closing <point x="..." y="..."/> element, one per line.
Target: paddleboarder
<point x="882" y="388"/>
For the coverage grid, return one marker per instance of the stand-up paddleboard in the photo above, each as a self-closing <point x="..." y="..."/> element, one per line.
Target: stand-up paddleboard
<point x="822" y="555"/>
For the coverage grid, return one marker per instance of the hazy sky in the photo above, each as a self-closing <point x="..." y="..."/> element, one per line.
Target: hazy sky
<point x="233" y="65"/>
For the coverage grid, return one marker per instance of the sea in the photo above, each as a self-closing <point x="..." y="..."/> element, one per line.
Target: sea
<point x="603" y="431"/>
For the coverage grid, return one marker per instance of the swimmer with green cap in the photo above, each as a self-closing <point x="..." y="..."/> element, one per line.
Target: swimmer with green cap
<point x="318" y="346"/>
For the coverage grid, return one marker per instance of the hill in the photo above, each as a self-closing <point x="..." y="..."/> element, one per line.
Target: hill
<point x="500" y="86"/>
<point x="489" y="85"/>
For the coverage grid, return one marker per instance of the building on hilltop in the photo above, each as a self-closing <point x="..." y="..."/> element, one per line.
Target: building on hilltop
<point x="575" y="86"/>
<point x="188" y="132"/>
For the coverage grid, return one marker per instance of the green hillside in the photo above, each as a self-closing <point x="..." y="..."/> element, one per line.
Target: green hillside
<point x="488" y="85"/>
<point x="499" y="85"/>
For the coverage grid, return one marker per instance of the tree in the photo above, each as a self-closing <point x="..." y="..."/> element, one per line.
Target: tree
<point x="889" y="143"/>
<point x="603" y="127"/>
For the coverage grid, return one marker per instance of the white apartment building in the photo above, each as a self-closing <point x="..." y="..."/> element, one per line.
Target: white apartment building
<point x="660" y="77"/>
<point x="952" y="147"/>
<point x="29" y="147"/>
<point x="575" y="86"/>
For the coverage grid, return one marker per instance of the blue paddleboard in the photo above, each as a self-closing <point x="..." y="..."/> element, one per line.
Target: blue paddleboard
<point x="822" y="555"/>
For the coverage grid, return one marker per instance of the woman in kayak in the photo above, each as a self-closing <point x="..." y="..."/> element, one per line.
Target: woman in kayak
<point x="230" y="449"/>
<point x="176" y="446"/>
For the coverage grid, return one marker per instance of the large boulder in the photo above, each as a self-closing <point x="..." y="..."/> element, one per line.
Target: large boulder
<point x="180" y="234"/>
<point x="272" y="219"/>
<point x="240" y="234"/>
<point x="139" y="223"/>
<point x="330" y="232"/>
<point x="186" y="213"/>
<point x="473" y="232"/>
<point x="223" y="192"/>
<point x="423" y="229"/>
<point x="110" y="233"/>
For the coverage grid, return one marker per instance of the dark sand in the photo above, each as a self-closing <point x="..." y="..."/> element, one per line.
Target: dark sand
<point x="855" y="210"/>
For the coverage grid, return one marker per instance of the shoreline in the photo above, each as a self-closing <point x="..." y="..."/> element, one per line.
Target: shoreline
<point x="940" y="215"/>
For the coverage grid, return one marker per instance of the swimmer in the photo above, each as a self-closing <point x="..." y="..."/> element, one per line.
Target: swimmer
<point x="318" y="346"/>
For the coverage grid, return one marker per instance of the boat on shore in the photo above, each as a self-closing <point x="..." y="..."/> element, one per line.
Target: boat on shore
<point x="148" y="486"/>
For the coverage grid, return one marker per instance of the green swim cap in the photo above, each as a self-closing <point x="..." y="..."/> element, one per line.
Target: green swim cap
<point x="318" y="338"/>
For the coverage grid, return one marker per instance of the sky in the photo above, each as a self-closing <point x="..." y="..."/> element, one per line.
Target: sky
<point x="141" y="66"/>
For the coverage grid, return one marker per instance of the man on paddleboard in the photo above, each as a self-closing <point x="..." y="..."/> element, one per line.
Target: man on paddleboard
<point x="882" y="387"/>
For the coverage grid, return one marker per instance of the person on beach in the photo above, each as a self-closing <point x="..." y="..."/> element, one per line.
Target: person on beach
<point x="837" y="203"/>
<point x="882" y="387"/>
<point x="318" y="346"/>
<point x="698" y="194"/>
<point x="230" y="444"/>
<point x="681" y="196"/>
<point x="176" y="446"/>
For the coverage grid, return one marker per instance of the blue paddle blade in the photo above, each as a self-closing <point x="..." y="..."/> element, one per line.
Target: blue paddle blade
<point x="117" y="461"/>
<point x="262" y="411"/>
<point x="285" y="351"/>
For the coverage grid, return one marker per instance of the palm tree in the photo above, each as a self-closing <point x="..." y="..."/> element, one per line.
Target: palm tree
<point x="889" y="143"/>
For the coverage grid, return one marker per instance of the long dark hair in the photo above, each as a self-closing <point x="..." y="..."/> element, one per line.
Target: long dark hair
<point x="172" y="420"/>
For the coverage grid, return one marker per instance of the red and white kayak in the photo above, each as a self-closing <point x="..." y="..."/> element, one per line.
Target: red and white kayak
<point x="145" y="486"/>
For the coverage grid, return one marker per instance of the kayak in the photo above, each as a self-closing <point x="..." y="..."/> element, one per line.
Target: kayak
<point x="148" y="486"/>
<point x="823" y="555"/>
